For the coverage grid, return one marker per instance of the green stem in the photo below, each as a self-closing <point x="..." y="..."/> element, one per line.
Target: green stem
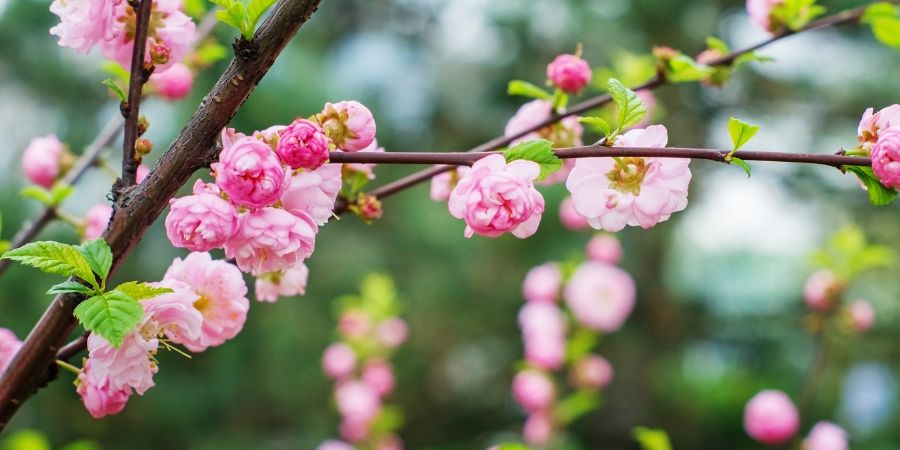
<point x="73" y="221"/>
<point x="68" y="367"/>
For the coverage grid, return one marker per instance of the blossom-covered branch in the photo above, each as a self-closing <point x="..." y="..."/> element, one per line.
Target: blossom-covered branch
<point x="138" y="208"/>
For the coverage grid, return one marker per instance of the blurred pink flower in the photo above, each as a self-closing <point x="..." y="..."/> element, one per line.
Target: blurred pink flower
<point x="604" y="248"/>
<point x="95" y="221"/>
<point x="288" y="283"/>
<point x="338" y="361"/>
<point x="569" y="73"/>
<point x="543" y="283"/>
<point x="760" y="12"/>
<point x="9" y="345"/>
<point x="442" y="184"/>
<point x="591" y="372"/>
<point x="271" y="240"/>
<point x="543" y="333"/>
<point x="335" y="445"/>
<point x="366" y="169"/>
<point x="392" y="332"/>
<point x="354" y="324"/>
<point x="826" y="436"/>
<point x="42" y="160"/>
<point x="821" y="290"/>
<point x="533" y="390"/>
<point x="566" y="133"/>
<point x="771" y="418"/>
<point x="173" y="84"/>
<point x="861" y="315"/>
<point x="570" y="218"/>
<point x="379" y="375"/>
<point x="538" y="429"/>
<point x="84" y="23"/>
<point x="357" y="401"/>
<point x="171" y="33"/>
<point x="600" y="296"/>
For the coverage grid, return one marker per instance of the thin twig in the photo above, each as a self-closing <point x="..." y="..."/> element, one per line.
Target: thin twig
<point x="131" y="110"/>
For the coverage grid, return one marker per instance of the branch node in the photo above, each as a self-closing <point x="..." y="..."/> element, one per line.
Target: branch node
<point x="245" y="50"/>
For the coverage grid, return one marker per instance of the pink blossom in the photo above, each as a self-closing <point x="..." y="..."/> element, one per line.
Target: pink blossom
<point x="357" y="401"/>
<point x="338" y="361"/>
<point x="335" y="445"/>
<point x="98" y="394"/>
<point x="873" y="124"/>
<point x="355" y="429"/>
<point x="287" y="283"/>
<point x="95" y="221"/>
<point x="84" y="23"/>
<point x="604" y="248"/>
<point x="886" y="158"/>
<point x="128" y="366"/>
<point x="861" y="315"/>
<point x="635" y="191"/>
<point x="392" y="332"/>
<point x="569" y="73"/>
<point x="566" y="133"/>
<point x="173" y="314"/>
<point x="9" y="345"/>
<point x="826" y="436"/>
<point x="354" y="324"/>
<point x="496" y="198"/>
<point x="379" y="375"/>
<point x="390" y="442"/>
<point x="543" y="283"/>
<point x="202" y="221"/>
<point x="303" y="145"/>
<point x="271" y="240"/>
<point x="600" y="296"/>
<point x="171" y="33"/>
<point x="349" y="124"/>
<point x="314" y="192"/>
<point x="366" y="168"/>
<point x="250" y="172"/>
<point x="442" y="184"/>
<point x="42" y="160"/>
<point x="538" y="429"/>
<point x="592" y="372"/>
<point x="570" y="218"/>
<point x="545" y="351"/>
<point x="222" y="297"/>
<point x="173" y="84"/>
<point x="771" y="418"/>
<point x="760" y="11"/>
<point x="543" y="333"/>
<point x="533" y="390"/>
<point x="821" y="290"/>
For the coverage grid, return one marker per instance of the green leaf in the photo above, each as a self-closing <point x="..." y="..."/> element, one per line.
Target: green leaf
<point x="879" y="194"/>
<point x="714" y="43"/>
<point x="232" y="14"/>
<point x="652" y="438"/>
<point x="195" y="8"/>
<point x="539" y="151"/>
<point x="880" y="10"/>
<point x="26" y="440"/>
<point x="37" y="193"/>
<point x="512" y="446"/>
<point x="111" y="315"/>
<point x="630" y="108"/>
<point x="210" y="52"/>
<point x="581" y="343"/>
<point x="741" y="133"/>
<point x="749" y="57"/>
<point x="141" y="291"/>
<point x="597" y="124"/>
<point x="4" y="246"/>
<point x="54" y="258"/>
<point x="70" y="286"/>
<point x="256" y="8"/>
<point x="683" y="69"/>
<point x="116" y="71"/>
<point x="887" y="30"/>
<point x="576" y="405"/>
<point x="98" y="255"/>
<point x="115" y="89"/>
<point x="796" y="14"/>
<point x="740" y="163"/>
<point x="526" y="89"/>
<point x="60" y="192"/>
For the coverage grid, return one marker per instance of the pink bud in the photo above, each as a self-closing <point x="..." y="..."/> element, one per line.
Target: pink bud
<point x="356" y="401"/>
<point x="159" y="53"/>
<point x="538" y="429"/>
<point x="569" y="73"/>
<point x="338" y="361"/>
<point x="543" y="283"/>
<point x="354" y="324"/>
<point x="95" y="221"/>
<point x="42" y="160"/>
<point x="303" y="145"/>
<point x="334" y="445"/>
<point x="592" y="372"/>
<point x="570" y="218"/>
<point x="349" y="124"/>
<point x="200" y="222"/>
<point x="826" y="436"/>
<point x="600" y="296"/>
<point x="250" y="173"/>
<point x="379" y="375"/>
<point x="392" y="332"/>
<point x="861" y="315"/>
<point x="821" y="289"/>
<point x="604" y="248"/>
<point x="771" y="418"/>
<point x="173" y="84"/>
<point x="354" y="430"/>
<point x="533" y="390"/>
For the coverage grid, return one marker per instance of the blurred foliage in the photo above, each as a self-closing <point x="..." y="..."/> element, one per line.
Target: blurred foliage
<point x="719" y="314"/>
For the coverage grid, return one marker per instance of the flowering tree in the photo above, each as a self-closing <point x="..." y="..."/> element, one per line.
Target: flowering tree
<point x="269" y="192"/>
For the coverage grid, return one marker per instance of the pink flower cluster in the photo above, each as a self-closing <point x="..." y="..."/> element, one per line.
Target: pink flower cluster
<point x="9" y="345"/>
<point x="599" y="297"/>
<point x="879" y="134"/>
<point x="363" y="376"/>
<point x="612" y="193"/>
<point x="772" y="419"/>
<point x="823" y="293"/>
<point x="207" y="306"/>
<point x="109" y="24"/>
<point x="497" y="197"/>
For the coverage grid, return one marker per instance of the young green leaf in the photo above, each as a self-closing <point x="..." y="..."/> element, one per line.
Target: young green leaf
<point x="652" y="438"/>
<point x="37" y="193"/>
<point x="576" y="405"/>
<point x="255" y="10"/>
<point x="539" y="151"/>
<point x="70" y="286"/>
<point x="98" y="255"/>
<point x="714" y="43"/>
<point x="512" y="446"/>
<point x="232" y="14"/>
<point x="597" y="124"/>
<point x="740" y="163"/>
<point x="879" y="194"/>
<point x="630" y="108"/>
<point x="887" y="31"/>
<point x="880" y="10"/>
<point x="683" y="69"/>
<point x="141" y="291"/>
<point x="750" y="57"/>
<point x="741" y="133"/>
<point x="111" y="315"/>
<point x="526" y="89"/>
<point x="60" y="192"/>
<point x="796" y="14"/>
<point x="115" y="89"/>
<point x="54" y="258"/>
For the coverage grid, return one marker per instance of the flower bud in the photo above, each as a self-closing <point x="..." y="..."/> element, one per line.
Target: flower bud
<point x="142" y="146"/>
<point x="160" y="53"/>
<point x="860" y="315"/>
<point x="826" y="436"/>
<point x="570" y="218"/>
<point x="42" y="161"/>
<point x="821" y="290"/>
<point x="338" y="361"/>
<point x="771" y="418"/>
<point x="349" y="124"/>
<point x="538" y="429"/>
<point x="533" y="390"/>
<point x="569" y="73"/>
<point x="367" y="207"/>
<point x="173" y="84"/>
<point x="604" y="248"/>
<point x="543" y="283"/>
<point x="303" y="145"/>
<point x="143" y="125"/>
<point x="591" y="372"/>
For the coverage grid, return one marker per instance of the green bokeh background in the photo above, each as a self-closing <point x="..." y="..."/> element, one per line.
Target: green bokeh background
<point x="719" y="314"/>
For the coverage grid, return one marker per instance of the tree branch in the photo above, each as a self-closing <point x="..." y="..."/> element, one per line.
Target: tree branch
<point x="131" y="110"/>
<point x="846" y="17"/>
<point x="138" y="208"/>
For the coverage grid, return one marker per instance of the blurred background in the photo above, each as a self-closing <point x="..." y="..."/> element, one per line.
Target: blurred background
<point x="719" y="313"/>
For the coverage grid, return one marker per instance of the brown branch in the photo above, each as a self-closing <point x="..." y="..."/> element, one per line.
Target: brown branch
<point x="131" y="110"/>
<point x="138" y="208"/>
<point x="846" y="17"/>
<point x="456" y="158"/>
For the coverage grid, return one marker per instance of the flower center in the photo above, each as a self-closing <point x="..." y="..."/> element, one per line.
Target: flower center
<point x="202" y="304"/>
<point x="628" y="174"/>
